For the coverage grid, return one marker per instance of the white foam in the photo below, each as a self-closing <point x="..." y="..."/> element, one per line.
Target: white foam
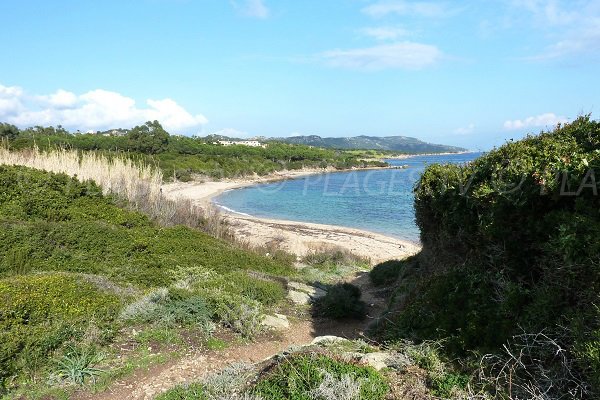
<point x="227" y="209"/>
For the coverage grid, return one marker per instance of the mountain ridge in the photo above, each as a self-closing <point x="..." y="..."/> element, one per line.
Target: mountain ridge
<point x="403" y="144"/>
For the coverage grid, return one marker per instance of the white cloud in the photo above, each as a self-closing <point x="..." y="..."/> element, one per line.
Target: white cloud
<point x="573" y="26"/>
<point x="465" y="130"/>
<point x="252" y="8"/>
<point x="427" y="9"/>
<point x="60" y="99"/>
<point x="547" y="120"/>
<point x="385" y="32"/>
<point x="405" y="55"/>
<point x="94" y="110"/>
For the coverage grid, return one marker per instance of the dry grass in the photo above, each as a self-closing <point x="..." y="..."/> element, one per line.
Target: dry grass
<point x="138" y="183"/>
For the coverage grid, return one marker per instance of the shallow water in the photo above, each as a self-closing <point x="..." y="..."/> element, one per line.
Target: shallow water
<point x="374" y="200"/>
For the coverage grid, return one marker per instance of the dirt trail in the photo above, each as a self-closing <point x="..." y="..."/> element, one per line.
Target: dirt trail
<point x="147" y="384"/>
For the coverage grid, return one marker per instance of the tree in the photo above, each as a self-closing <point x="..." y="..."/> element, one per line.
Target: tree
<point x="150" y="138"/>
<point x="8" y="131"/>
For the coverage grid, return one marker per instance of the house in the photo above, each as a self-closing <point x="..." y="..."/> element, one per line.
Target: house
<point x="250" y="143"/>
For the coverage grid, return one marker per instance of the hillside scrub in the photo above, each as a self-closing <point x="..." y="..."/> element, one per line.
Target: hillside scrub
<point x="72" y="260"/>
<point x="182" y="157"/>
<point x="510" y="245"/>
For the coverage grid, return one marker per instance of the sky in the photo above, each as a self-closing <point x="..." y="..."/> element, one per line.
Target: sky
<point x="471" y="73"/>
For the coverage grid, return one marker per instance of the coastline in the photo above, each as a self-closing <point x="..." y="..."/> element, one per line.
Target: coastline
<point x="299" y="238"/>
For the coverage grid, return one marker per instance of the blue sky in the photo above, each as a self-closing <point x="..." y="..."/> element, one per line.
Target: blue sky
<point x="469" y="73"/>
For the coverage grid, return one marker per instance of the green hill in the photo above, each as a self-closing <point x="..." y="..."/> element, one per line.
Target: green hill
<point x="77" y="270"/>
<point x="510" y="266"/>
<point x="402" y="144"/>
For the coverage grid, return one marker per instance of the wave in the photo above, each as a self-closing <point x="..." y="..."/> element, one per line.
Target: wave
<point x="227" y="209"/>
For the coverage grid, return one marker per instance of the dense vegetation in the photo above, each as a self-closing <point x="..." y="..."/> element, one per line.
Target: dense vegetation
<point x="511" y="257"/>
<point x="398" y="144"/>
<point x="75" y="268"/>
<point x="184" y="157"/>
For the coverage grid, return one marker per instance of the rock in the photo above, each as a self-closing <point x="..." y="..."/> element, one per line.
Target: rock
<point x="313" y="292"/>
<point x="376" y="360"/>
<point x="382" y="360"/>
<point x="328" y="340"/>
<point x="300" y="298"/>
<point x="277" y="321"/>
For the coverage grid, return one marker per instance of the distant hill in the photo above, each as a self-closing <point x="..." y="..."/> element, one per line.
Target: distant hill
<point x="403" y="144"/>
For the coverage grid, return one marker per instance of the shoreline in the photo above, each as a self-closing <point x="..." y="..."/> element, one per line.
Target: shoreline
<point x="299" y="238"/>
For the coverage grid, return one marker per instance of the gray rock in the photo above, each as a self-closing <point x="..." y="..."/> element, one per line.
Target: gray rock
<point x="313" y="292"/>
<point x="300" y="298"/>
<point x="376" y="360"/>
<point x="382" y="360"/>
<point x="329" y="339"/>
<point x="277" y="321"/>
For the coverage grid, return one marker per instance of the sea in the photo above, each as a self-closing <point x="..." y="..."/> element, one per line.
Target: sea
<point x="376" y="200"/>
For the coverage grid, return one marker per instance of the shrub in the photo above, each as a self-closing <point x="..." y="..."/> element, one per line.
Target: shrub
<point x="341" y="301"/>
<point x="38" y="313"/>
<point x="169" y="307"/>
<point x="263" y="291"/>
<point x="309" y="376"/>
<point x="387" y="272"/>
<point x="510" y="243"/>
<point x="328" y="256"/>
<point x="76" y="366"/>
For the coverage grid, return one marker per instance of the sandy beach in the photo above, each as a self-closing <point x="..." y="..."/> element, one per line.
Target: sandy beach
<point x="296" y="237"/>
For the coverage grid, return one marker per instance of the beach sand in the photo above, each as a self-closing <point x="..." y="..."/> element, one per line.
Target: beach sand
<point x="299" y="238"/>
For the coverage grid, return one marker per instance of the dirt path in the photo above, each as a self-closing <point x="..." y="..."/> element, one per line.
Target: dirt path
<point x="147" y="384"/>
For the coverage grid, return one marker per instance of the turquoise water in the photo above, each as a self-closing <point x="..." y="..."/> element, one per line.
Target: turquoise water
<point x="374" y="200"/>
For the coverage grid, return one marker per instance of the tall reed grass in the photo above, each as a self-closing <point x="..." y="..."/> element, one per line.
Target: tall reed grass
<point x="118" y="175"/>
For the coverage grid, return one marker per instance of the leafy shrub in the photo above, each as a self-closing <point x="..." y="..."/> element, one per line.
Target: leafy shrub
<point x="341" y="301"/>
<point x="230" y="384"/>
<point x="38" y="313"/>
<point x="510" y="243"/>
<point x="241" y="314"/>
<point x="193" y="391"/>
<point x="306" y="376"/>
<point x="327" y="256"/>
<point x="77" y="366"/>
<point x="169" y="307"/>
<point x="263" y="291"/>
<point x="386" y="272"/>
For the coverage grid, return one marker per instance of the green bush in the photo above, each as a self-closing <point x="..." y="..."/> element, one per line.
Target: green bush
<point x="39" y="313"/>
<point x="299" y="376"/>
<point x="169" y="308"/>
<point x="386" y="272"/>
<point x="186" y="392"/>
<point x="510" y="243"/>
<point x="341" y="301"/>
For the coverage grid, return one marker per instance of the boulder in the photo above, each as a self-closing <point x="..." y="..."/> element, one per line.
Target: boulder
<point x="382" y="360"/>
<point x="329" y="339"/>
<point x="277" y="321"/>
<point x="314" y="292"/>
<point x="297" y="297"/>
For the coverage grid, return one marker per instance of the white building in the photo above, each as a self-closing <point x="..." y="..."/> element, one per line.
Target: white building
<point x="250" y="143"/>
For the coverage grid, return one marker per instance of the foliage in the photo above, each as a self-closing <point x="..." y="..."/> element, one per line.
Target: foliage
<point x="194" y="391"/>
<point x="52" y="222"/>
<point x="301" y="376"/>
<point x="70" y="257"/>
<point x="242" y="315"/>
<point x="510" y="243"/>
<point x="39" y="313"/>
<point x="183" y="157"/>
<point x="8" y="131"/>
<point x="386" y="272"/>
<point x="149" y="138"/>
<point x="76" y="366"/>
<point x="341" y="301"/>
<point x="169" y="308"/>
